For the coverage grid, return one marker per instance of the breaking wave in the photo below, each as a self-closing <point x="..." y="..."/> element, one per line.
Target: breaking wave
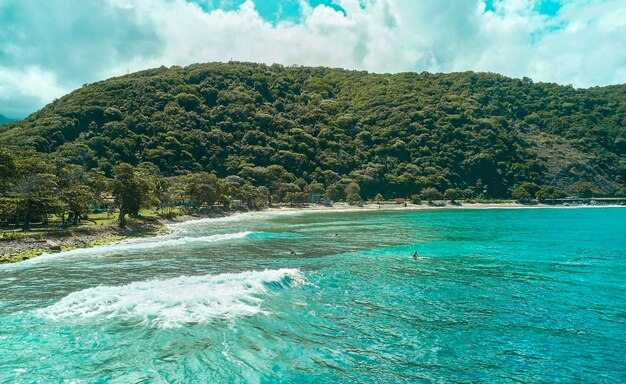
<point x="138" y="244"/>
<point x="156" y="242"/>
<point x="176" y="302"/>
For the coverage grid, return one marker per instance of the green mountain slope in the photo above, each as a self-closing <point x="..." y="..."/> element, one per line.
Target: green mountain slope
<point x="396" y="134"/>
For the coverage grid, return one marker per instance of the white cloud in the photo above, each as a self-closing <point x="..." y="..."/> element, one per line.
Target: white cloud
<point x="20" y="89"/>
<point x="588" y="50"/>
<point x="73" y="42"/>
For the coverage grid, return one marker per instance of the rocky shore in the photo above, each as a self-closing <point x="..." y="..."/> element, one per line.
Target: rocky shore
<point x="28" y="247"/>
<point x="35" y="244"/>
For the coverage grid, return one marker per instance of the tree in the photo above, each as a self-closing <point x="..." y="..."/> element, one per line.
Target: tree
<point x="378" y="198"/>
<point x="163" y="193"/>
<point x="156" y="186"/>
<point x="314" y="188"/>
<point x="584" y="190"/>
<point x="75" y="193"/>
<point x="548" y="192"/>
<point x="130" y="191"/>
<point x="250" y="195"/>
<point x="352" y="188"/>
<point x="203" y="188"/>
<point x="333" y="191"/>
<point x="8" y="170"/>
<point x="265" y="197"/>
<point x="295" y="197"/>
<point x="530" y="187"/>
<point x="37" y="198"/>
<point x="353" y="192"/>
<point x="353" y="198"/>
<point x="431" y="194"/>
<point x="98" y="183"/>
<point x="187" y="101"/>
<point x="234" y="181"/>
<point x="283" y="189"/>
<point x="520" y="194"/>
<point x="452" y="194"/>
<point x="524" y="191"/>
<point x="8" y="208"/>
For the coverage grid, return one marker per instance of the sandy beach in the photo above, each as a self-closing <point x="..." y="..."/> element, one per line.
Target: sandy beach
<point x="425" y="206"/>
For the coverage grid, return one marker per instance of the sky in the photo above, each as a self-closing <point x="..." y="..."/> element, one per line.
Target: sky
<point x="50" y="47"/>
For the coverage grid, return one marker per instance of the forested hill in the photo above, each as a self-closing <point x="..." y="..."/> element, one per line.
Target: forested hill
<point x="483" y="133"/>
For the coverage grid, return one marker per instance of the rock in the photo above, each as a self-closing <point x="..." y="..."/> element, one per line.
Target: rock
<point x="53" y="246"/>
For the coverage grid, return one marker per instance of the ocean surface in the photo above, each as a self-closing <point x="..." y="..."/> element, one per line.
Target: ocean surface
<point x="499" y="295"/>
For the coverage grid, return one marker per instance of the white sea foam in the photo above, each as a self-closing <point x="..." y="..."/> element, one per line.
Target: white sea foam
<point x="134" y="244"/>
<point x="256" y="215"/>
<point x="212" y="220"/>
<point x="176" y="302"/>
<point x="165" y="241"/>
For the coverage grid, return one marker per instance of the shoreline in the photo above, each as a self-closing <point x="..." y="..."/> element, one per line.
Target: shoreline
<point x="25" y="248"/>
<point x="340" y="207"/>
<point x="14" y="251"/>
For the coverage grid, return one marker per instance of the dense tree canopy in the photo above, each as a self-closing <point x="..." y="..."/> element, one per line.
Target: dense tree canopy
<point x="32" y="190"/>
<point x="302" y="129"/>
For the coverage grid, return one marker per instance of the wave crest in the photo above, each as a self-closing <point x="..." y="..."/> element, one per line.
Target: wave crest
<point x="156" y="242"/>
<point x="176" y="302"/>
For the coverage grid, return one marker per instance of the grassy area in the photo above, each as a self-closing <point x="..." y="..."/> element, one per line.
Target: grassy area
<point x="121" y="234"/>
<point x="20" y="256"/>
<point x="97" y="229"/>
<point x="29" y="254"/>
<point x="94" y="222"/>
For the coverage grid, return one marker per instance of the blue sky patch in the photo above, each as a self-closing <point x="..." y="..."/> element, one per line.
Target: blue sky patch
<point x="544" y="7"/>
<point x="549" y="7"/>
<point x="270" y="10"/>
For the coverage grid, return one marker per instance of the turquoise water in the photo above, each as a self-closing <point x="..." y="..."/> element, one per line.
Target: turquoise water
<point x="525" y="295"/>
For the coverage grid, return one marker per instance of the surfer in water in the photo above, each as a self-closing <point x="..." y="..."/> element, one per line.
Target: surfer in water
<point x="415" y="255"/>
<point x="292" y="252"/>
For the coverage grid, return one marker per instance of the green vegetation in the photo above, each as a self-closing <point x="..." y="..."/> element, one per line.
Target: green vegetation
<point x="452" y="194"/>
<point x="250" y="135"/>
<point x="20" y="256"/>
<point x="431" y="194"/>
<point x="55" y="196"/>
